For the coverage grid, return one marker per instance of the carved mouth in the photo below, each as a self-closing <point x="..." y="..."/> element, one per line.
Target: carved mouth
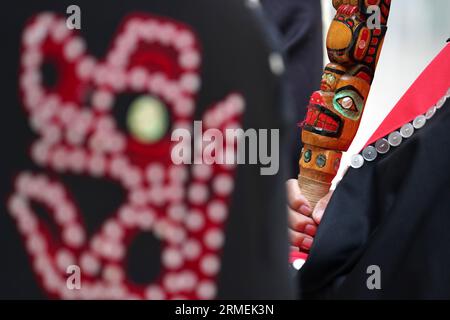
<point x="322" y="121"/>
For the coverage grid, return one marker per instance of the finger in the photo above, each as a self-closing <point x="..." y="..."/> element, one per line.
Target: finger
<point x="319" y="210"/>
<point x="296" y="199"/>
<point x="300" y="240"/>
<point x="297" y="249"/>
<point x="292" y="248"/>
<point x="301" y="223"/>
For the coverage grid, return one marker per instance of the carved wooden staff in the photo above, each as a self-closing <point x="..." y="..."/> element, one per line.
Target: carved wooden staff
<point x="354" y="42"/>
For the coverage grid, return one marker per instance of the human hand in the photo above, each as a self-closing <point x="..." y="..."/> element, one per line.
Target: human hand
<point x="303" y="220"/>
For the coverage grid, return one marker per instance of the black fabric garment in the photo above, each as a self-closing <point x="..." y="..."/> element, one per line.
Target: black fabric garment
<point x="235" y="51"/>
<point x="393" y="213"/>
<point x="299" y="23"/>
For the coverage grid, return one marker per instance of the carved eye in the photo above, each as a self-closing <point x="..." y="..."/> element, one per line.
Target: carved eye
<point x="349" y="103"/>
<point x="147" y="119"/>
<point x="331" y="78"/>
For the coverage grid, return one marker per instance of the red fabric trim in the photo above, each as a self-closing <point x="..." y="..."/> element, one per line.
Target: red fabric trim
<point x="429" y="87"/>
<point x="295" y="255"/>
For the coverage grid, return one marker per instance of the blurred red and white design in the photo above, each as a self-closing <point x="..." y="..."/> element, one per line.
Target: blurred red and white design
<point x="297" y="259"/>
<point x="185" y="207"/>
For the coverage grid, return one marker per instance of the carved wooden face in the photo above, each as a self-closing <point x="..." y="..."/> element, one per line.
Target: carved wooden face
<point x="343" y="34"/>
<point x="333" y="118"/>
<point x="331" y="76"/>
<point x="338" y="3"/>
<point x="350" y="97"/>
<point x="351" y="40"/>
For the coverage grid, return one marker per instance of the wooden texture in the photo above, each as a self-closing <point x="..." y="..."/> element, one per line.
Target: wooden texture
<point x="354" y="42"/>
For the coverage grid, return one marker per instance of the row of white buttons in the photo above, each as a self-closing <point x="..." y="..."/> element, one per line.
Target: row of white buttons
<point x="394" y="139"/>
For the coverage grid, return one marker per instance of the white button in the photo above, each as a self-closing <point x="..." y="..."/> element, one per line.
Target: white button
<point x="430" y="113"/>
<point x="276" y="63"/>
<point x="357" y="161"/>
<point x="395" y="139"/>
<point x="441" y="102"/>
<point x="407" y="130"/>
<point x="419" y="122"/>
<point x="370" y="153"/>
<point x="382" y="146"/>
